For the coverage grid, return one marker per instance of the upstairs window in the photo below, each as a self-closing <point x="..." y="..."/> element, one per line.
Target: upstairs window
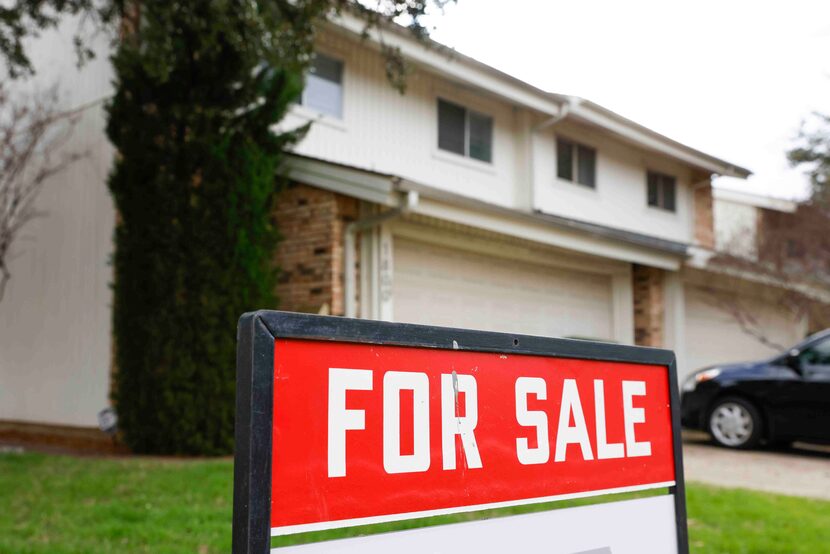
<point x="662" y="191"/>
<point x="324" y="86"/>
<point x="465" y="132"/>
<point x="576" y="163"/>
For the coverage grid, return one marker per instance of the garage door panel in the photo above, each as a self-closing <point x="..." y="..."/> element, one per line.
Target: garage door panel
<point x="441" y="286"/>
<point x="713" y="336"/>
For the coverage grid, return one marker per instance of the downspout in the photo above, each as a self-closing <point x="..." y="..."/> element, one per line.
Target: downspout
<point x="408" y="202"/>
<point x="564" y="111"/>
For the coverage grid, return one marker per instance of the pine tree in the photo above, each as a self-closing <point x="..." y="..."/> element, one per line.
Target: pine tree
<point x="198" y="90"/>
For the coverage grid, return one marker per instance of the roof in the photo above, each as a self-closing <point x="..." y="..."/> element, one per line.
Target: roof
<point x="445" y="61"/>
<point x="755" y="200"/>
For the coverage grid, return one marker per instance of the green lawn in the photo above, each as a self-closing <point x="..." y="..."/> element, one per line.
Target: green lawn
<point x="63" y="505"/>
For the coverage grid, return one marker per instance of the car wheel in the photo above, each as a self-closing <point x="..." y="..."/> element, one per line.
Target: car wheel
<point x="735" y="423"/>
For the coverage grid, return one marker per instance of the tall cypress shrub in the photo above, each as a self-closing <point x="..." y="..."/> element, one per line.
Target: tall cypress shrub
<point x="198" y="87"/>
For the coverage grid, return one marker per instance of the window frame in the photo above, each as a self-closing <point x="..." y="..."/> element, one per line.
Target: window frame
<point x="575" y="169"/>
<point x="466" y="155"/>
<point x="662" y="180"/>
<point x="303" y="103"/>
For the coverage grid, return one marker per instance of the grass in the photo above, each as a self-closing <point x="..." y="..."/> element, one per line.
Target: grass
<point x="64" y="505"/>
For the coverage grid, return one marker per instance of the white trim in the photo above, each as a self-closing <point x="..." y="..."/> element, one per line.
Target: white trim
<point x="547" y="234"/>
<point x="464" y="161"/>
<point x="448" y="63"/>
<point x="459" y="68"/>
<point x="353" y="182"/>
<point x="490" y="243"/>
<point x="646" y="138"/>
<point x="386" y="272"/>
<point x="622" y="295"/>
<point x="674" y="324"/>
<point x="755" y="200"/>
<point x="700" y="260"/>
<point x="314" y="116"/>
<point x="324" y="525"/>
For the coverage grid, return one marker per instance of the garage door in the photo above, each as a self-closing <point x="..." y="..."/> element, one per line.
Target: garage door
<point x="714" y="337"/>
<point x="434" y="285"/>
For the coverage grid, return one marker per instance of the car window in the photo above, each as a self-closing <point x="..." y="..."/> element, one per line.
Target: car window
<point x="817" y="356"/>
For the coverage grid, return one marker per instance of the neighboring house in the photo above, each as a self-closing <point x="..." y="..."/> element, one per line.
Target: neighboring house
<point x="732" y="313"/>
<point x="474" y="200"/>
<point x="739" y="303"/>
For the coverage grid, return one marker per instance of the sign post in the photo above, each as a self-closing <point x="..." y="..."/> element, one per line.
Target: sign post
<point x="343" y="423"/>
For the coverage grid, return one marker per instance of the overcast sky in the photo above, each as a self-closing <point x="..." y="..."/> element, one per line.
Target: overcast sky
<point x="733" y="78"/>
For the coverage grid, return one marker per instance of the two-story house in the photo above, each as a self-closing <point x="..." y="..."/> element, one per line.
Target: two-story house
<point x="474" y="200"/>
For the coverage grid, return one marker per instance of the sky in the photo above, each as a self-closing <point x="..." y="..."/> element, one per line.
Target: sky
<point x="732" y="78"/>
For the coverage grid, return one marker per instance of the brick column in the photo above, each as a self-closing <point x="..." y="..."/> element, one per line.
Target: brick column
<point x="649" y="305"/>
<point x="310" y="254"/>
<point x="704" y="223"/>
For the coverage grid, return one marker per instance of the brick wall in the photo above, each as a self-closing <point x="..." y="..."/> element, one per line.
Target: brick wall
<point x="703" y="212"/>
<point x="310" y="255"/>
<point x="649" y="305"/>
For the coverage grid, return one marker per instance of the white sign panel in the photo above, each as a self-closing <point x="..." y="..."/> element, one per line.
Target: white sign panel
<point x="642" y="526"/>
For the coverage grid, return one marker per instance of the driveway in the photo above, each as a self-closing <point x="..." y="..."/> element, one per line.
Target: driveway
<point x="803" y="470"/>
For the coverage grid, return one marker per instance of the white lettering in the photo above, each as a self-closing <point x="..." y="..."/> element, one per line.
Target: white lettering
<point x="632" y="415"/>
<point x="536" y="418"/>
<point x="341" y="419"/>
<point x="605" y="450"/>
<point x="452" y="385"/>
<point x="578" y="434"/>
<point x="393" y="383"/>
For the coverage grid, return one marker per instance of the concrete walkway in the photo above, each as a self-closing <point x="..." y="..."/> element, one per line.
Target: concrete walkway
<point x="803" y="470"/>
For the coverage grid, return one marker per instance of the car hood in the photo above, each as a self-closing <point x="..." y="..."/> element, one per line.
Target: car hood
<point x="744" y="369"/>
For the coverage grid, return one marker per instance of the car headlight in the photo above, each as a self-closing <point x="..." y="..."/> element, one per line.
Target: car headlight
<point x="701" y="376"/>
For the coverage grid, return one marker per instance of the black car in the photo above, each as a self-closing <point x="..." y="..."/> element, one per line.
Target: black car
<point x="777" y="401"/>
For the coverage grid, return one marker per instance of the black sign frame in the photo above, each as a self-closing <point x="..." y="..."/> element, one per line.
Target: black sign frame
<point x="257" y="332"/>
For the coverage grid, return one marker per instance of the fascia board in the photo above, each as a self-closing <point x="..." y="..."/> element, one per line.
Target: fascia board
<point x="641" y="136"/>
<point x="446" y="63"/>
<point x="378" y="189"/>
<point x="702" y="263"/>
<point x="545" y="234"/>
<point x="458" y="67"/>
<point x="755" y="200"/>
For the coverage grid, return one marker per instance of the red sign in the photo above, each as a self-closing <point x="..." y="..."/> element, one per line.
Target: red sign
<point x="365" y="433"/>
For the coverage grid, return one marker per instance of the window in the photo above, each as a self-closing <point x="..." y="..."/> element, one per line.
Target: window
<point x="662" y="191"/>
<point x="576" y="160"/>
<point x="464" y="131"/>
<point x="816" y="356"/>
<point x="324" y="86"/>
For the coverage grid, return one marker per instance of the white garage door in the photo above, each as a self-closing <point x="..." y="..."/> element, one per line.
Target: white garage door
<point x="442" y="286"/>
<point x="713" y="336"/>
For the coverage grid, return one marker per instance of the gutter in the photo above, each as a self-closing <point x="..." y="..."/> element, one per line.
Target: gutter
<point x="407" y="202"/>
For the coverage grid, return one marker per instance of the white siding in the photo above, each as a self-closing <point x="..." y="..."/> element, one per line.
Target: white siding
<point x="736" y="228"/>
<point x="385" y="131"/>
<point x="619" y="199"/>
<point x="55" y="317"/>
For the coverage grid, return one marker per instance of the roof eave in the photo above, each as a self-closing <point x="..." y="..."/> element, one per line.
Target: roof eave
<point x="441" y="59"/>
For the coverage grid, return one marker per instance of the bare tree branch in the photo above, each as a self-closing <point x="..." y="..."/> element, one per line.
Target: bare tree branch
<point x="34" y="147"/>
<point x="791" y="252"/>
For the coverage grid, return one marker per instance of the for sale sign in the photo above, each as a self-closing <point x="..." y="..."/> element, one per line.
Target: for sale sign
<point x="343" y="423"/>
